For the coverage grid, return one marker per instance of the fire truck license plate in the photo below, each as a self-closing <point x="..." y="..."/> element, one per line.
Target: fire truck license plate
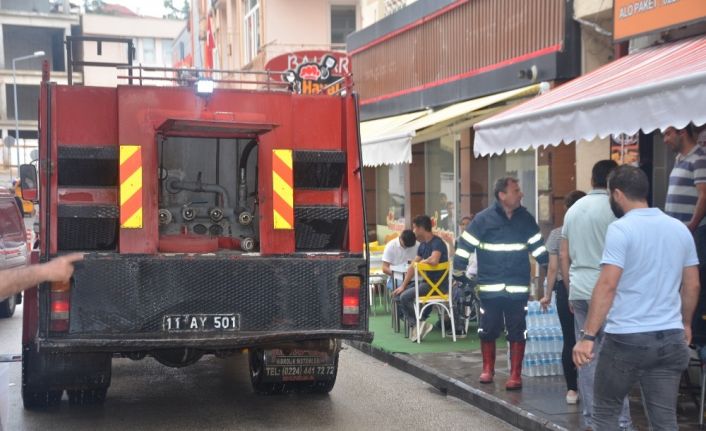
<point x="201" y="322"/>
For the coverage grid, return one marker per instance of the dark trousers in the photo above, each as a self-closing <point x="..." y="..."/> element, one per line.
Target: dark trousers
<point x="406" y="303"/>
<point x="499" y="313"/>
<point x="698" y="327"/>
<point x="566" y="318"/>
<point x="654" y="359"/>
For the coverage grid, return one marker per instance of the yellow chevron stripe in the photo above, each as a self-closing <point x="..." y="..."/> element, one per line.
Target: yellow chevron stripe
<point x="280" y="222"/>
<point x="126" y="151"/>
<point x="285" y="156"/>
<point x="135" y="221"/>
<point x="284" y="190"/>
<point x="131" y="186"/>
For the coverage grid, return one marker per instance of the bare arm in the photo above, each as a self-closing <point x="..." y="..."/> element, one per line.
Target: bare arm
<point x="386" y="268"/>
<point x="407" y="277"/>
<point x="13" y="281"/>
<point x="689" y="297"/>
<point x="551" y="280"/>
<point x="601" y="301"/>
<point x="433" y="259"/>
<point x="565" y="262"/>
<point x="700" y="209"/>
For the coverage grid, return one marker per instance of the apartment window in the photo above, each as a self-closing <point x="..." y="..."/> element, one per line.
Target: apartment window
<point x="251" y="28"/>
<point x="148" y="52"/>
<point x="166" y="52"/>
<point x="342" y="23"/>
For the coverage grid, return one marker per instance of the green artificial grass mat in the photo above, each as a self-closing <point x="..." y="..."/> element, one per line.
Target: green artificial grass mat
<point x="389" y="341"/>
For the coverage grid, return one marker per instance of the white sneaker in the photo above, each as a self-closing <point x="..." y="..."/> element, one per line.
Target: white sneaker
<point x="425" y="329"/>
<point x="572" y="397"/>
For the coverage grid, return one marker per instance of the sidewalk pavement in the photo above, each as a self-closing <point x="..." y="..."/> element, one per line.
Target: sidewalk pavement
<point x="540" y="405"/>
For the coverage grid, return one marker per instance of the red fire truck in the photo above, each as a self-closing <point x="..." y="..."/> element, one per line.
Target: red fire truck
<point x="213" y="221"/>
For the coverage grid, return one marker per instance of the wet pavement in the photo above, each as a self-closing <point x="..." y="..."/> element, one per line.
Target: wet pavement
<point x="539" y="405"/>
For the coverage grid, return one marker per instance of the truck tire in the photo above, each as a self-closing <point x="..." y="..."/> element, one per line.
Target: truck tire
<point x="7" y="307"/>
<point x="275" y="388"/>
<point x="257" y="372"/>
<point x="35" y="400"/>
<point x="36" y="397"/>
<point x="320" y="386"/>
<point x="45" y="376"/>
<point x="87" y="397"/>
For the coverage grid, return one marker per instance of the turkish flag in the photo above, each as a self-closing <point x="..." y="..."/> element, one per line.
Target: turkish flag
<point x="210" y="46"/>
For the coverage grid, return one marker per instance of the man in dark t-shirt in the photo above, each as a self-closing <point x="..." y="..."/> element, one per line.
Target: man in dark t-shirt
<point x="432" y="250"/>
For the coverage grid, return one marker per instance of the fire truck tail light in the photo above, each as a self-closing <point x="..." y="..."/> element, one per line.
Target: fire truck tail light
<point x="60" y="304"/>
<point x="351" y="299"/>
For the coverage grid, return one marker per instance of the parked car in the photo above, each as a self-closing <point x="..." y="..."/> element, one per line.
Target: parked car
<point x="14" y="250"/>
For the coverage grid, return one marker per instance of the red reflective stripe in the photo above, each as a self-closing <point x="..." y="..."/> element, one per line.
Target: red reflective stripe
<point x="283" y="208"/>
<point x="284" y="171"/>
<point x="129" y="208"/>
<point x="131" y="165"/>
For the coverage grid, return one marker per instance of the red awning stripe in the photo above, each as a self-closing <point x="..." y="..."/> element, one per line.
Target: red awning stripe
<point x="650" y="89"/>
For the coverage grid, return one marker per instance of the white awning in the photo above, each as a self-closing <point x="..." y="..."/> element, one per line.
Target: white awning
<point x="651" y="89"/>
<point x="388" y="141"/>
<point x="384" y="142"/>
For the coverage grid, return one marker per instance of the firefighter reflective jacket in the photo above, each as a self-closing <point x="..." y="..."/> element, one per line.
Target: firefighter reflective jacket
<point x="502" y="246"/>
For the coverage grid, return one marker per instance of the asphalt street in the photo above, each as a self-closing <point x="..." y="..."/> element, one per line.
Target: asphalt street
<point x="215" y="394"/>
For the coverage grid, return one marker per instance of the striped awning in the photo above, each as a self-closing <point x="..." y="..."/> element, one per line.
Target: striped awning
<point x="651" y="89"/>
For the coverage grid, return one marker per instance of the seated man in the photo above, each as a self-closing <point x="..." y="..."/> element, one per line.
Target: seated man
<point x="433" y="251"/>
<point x="399" y="251"/>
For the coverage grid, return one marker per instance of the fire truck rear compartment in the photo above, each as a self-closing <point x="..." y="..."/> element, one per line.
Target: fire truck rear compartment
<point x="208" y="188"/>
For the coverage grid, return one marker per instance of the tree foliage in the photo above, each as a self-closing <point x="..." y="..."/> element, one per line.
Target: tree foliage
<point x="174" y="12"/>
<point x="93" y="6"/>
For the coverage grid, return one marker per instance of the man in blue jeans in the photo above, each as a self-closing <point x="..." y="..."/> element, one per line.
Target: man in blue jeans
<point x="646" y="293"/>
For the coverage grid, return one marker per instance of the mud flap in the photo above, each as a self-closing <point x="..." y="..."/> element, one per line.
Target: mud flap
<point x="299" y="364"/>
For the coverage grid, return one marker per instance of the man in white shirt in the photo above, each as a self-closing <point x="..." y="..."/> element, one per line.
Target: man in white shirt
<point x="399" y="251"/>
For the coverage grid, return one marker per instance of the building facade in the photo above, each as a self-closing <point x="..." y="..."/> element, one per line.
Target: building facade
<point x="153" y="39"/>
<point x="29" y="27"/>
<point x="246" y="34"/>
<point x="449" y="64"/>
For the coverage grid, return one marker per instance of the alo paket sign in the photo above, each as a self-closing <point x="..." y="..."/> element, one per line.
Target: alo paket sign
<point x="309" y="72"/>
<point x="636" y="17"/>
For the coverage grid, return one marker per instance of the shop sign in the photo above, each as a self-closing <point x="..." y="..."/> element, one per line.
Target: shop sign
<point x="310" y="72"/>
<point x="625" y="149"/>
<point x="636" y="17"/>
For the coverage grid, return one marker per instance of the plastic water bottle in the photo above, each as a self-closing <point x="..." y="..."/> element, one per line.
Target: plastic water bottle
<point x="531" y="366"/>
<point x="554" y="369"/>
<point x="545" y="341"/>
<point x="544" y="365"/>
<point x="558" y="340"/>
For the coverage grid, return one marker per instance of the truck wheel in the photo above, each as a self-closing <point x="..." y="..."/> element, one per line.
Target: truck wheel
<point x="36" y="396"/>
<point x="7" y="307"/>
<point x="40" y="399"/>
<point x="320" y="386"/>
<point x="87" y="397"/>
<point x="257" y="373"/>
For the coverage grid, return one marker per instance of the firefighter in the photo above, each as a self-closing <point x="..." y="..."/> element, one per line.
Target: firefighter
<point x="502" y="235"/>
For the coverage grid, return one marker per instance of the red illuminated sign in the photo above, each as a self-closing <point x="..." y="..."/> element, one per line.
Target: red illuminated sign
<point x="312" y="72"/>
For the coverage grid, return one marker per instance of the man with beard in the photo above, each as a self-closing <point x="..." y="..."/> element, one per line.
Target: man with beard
<point x="646" y="293"/>
<point x="686" y="201"/>
<point x="581" y="248"/>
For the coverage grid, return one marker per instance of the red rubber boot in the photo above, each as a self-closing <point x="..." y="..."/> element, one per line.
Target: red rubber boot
<point x="487" y="348"/>
<point x="517" y="354"/>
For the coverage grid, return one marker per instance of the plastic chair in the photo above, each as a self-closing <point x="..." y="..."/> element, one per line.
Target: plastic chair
<point x="435" y="296"/>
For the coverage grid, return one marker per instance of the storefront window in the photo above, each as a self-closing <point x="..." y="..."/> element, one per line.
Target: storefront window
<point x="440" y="184"/>
<point x="521" y="165"/>
<point x="390" y="201"/>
